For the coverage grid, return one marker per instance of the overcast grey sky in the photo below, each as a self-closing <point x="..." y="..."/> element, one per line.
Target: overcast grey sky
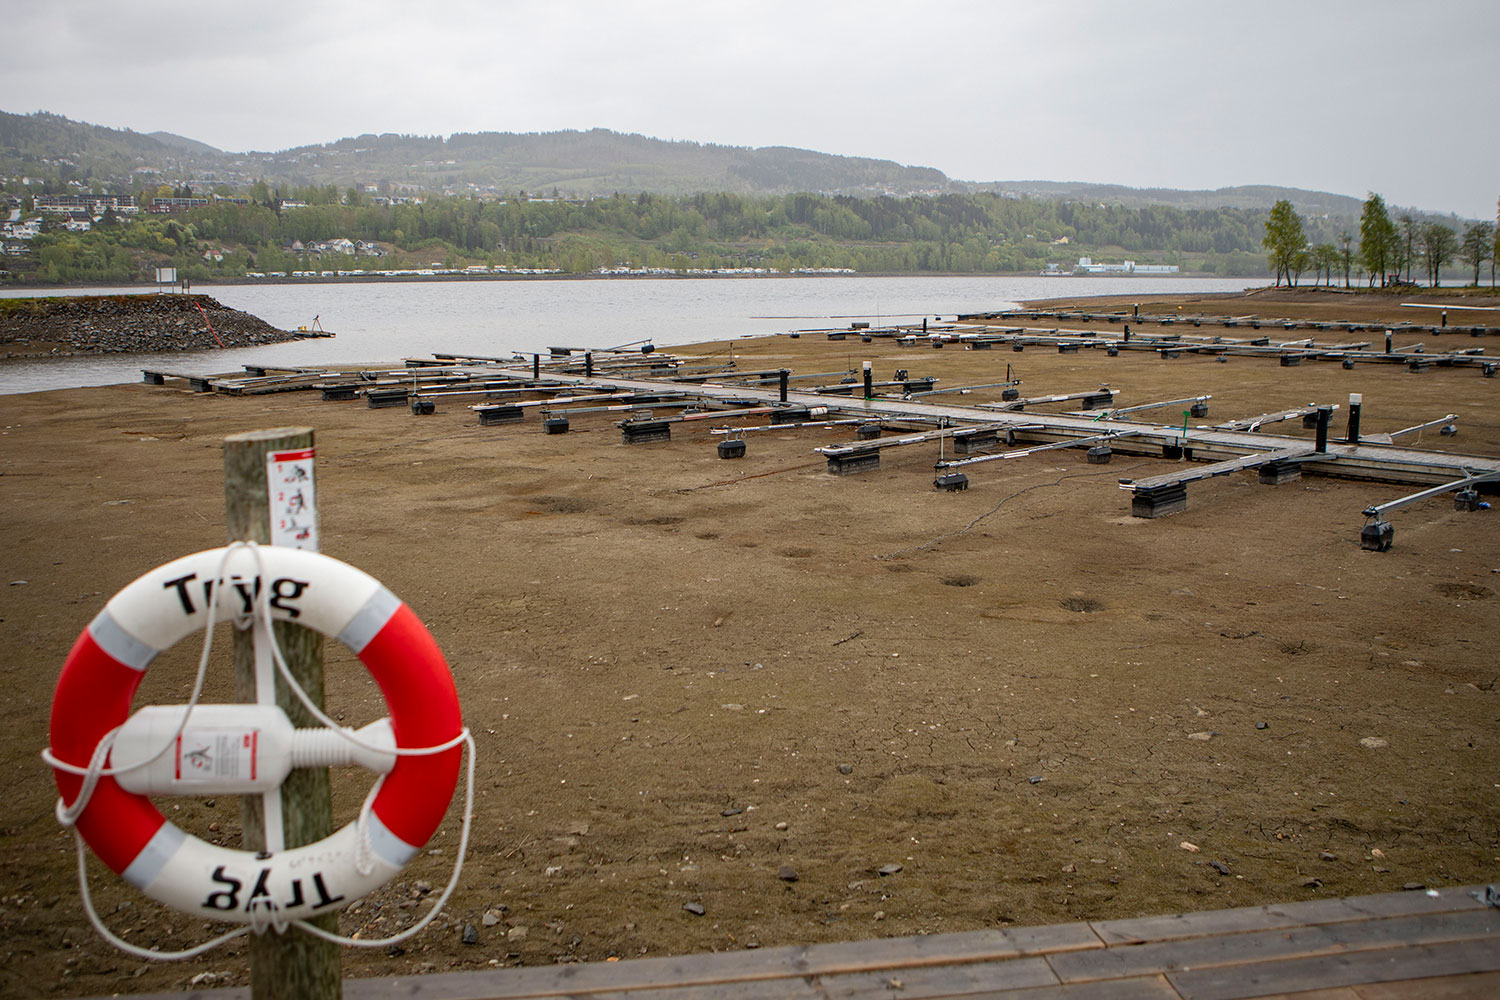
<point x="1349" y="96"/>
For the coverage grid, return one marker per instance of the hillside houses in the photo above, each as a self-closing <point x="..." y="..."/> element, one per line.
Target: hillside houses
<point x="336" y="247"/>
<point x="90" y="205"/>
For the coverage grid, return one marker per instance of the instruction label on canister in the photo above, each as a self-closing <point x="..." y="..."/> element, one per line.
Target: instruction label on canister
<point x="289" y="486"/>
<point x="216" y="755"/>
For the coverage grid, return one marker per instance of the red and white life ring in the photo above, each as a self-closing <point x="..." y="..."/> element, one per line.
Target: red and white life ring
<point x="130" y="835"/>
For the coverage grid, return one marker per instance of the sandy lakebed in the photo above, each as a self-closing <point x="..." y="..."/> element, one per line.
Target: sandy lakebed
<point x="754" y="686"/>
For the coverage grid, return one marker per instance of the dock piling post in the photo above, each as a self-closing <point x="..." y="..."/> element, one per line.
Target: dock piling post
<point x="295" y="963"/>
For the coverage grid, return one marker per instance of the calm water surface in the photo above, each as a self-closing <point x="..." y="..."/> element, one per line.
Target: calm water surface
<point x="389" y="322"/>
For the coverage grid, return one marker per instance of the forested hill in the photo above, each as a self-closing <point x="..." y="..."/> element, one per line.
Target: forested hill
<point x="575" y="164"/>
<point x="1258" y="197"/>
<point x="55" y="151"/>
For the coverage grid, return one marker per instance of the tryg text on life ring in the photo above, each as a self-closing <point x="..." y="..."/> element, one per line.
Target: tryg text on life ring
<point x="131" y="836"/>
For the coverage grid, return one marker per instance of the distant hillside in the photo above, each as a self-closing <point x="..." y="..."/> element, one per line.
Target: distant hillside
<point x="57" y="150"/>
<point x="574" y="163"/>
<point x="587" y="163"/>
<point x="1256" y="196"/>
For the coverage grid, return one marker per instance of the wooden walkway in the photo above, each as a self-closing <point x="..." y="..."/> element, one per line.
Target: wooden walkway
<point x="1417" y="945"/>
<point x="1381" y="462"/>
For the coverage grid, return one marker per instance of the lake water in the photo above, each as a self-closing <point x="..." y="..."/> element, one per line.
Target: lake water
<point x="388" y="322"/>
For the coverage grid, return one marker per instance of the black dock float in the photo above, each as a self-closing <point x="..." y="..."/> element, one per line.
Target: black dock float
<point x="378" y="399"/>
<point x="791" y="415"/>
<point x="1099" y="455"/>
<point x="153" y="378"/>
<point x="867" y="432"/>
<point x="950" y="482"/>
<point x="969" y="442"/>
<point x="733" y="448"/>
<point x="1160" y="501"/>
<point x="555" y="425"/>
<point x="340" y="392"/>
<point x="1276" y="473"/>
<point x="423" y="407"/>
<point x="1376" y="536"/>
<point x="850" y="463"/>
<point x="645" y="431"/>
<point x="499" y="414"/>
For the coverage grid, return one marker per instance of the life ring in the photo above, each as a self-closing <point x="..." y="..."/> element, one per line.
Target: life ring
<point x="130" y="835"/>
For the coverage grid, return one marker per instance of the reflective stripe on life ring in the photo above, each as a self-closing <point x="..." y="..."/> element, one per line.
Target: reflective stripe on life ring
<point x="128" y="833"/>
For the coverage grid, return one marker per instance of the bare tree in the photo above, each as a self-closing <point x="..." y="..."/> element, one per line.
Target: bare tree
<point x="1477" y="246"/>
<point x="1409" y="233"/>
<point x="1438" y="246"/>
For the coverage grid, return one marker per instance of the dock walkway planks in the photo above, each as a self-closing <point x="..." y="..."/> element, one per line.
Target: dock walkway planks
<point x="1399" y="946"/>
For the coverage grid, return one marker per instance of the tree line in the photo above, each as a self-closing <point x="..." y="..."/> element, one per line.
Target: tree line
<point x="978" y="232"/>
<point x="1387" y="251"/>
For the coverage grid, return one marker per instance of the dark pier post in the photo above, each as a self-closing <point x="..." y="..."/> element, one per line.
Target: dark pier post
<point x="1127" y="333"/>
<point x="293" y="964"/>
<point x="1354" y="405"/>
<point x="785" y="374"/>
<point x="869" y="383"/>
<point x="588" y="364"/>
<point x="1324" y="413"/>
<point x="536" y="366"/>
<point x="1388" y="335"/>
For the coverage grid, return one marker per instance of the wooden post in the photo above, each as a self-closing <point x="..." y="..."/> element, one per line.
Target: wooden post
<point x="292" y="964"/>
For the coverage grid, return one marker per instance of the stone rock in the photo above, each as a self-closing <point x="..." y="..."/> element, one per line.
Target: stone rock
<point x="112" y="324"/>
<point x="470" y="935"/>
<point x="1374" y="742"/>
<point x="491" y="918"/>
<point x="696" y="909"/>
<point x="889" y="869"/>
<point x="846" y="769"/>
<point x="786" y="873"/>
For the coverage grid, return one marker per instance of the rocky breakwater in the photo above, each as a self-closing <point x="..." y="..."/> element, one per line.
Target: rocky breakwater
<point x="142" y="324"/>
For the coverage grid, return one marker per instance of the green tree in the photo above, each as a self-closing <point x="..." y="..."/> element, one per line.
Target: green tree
<point x="1377" y="238"/>
<point x="1345" y="256"/>
<point x="1325" y="259"/>
<point x="1439" y="244"/>
<point x="1284" y="240"/>
<point x="1408" y="243"/>
<point x="1477" y="246"/>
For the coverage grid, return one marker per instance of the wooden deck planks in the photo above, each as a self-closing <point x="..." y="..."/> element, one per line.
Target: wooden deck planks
<point x="1396" y="946"/>
<point x="1326" y="971"/>
<point x="1280" y="946"/>
<point x="1313" y="911"/>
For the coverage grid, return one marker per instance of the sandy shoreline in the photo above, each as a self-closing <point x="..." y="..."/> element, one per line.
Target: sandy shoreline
<point x="686" y="674"/>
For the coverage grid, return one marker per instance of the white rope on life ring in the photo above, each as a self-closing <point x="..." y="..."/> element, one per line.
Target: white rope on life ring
<point x="130" y="835"/>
